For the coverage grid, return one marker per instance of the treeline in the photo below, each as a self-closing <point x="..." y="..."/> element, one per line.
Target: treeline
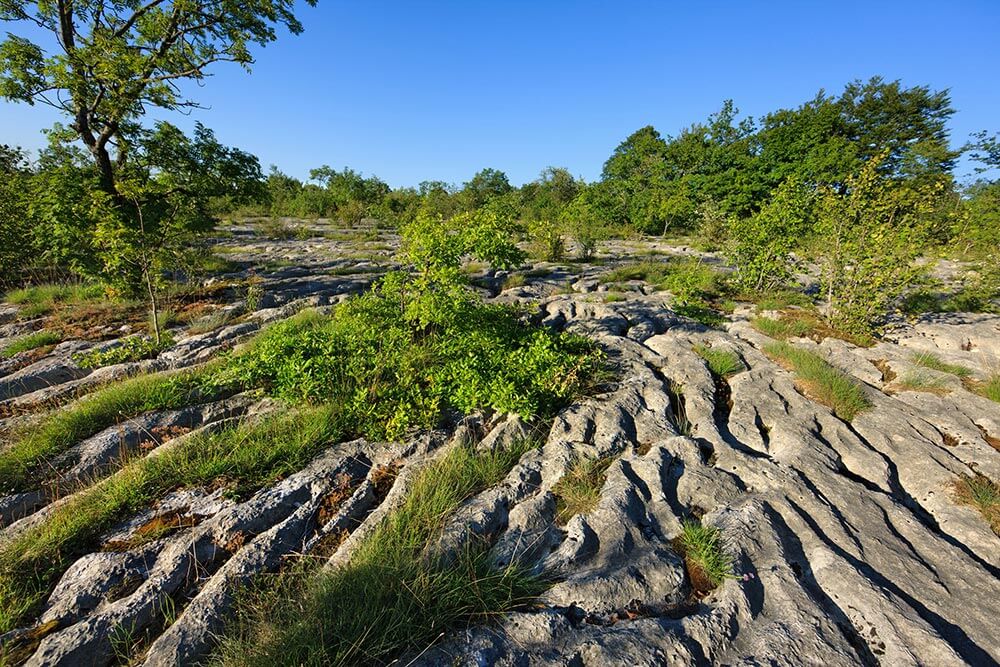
<point x="859" y="184"/>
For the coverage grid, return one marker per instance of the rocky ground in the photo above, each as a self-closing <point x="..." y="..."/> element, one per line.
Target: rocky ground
<point x="849" y="543"/>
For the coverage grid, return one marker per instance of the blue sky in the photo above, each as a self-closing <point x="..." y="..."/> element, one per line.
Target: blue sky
<point x="423" y="90"/>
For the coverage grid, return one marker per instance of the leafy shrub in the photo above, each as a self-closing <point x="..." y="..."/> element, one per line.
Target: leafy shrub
<point x="689" y="280"/>
<point x="389" y="376"/>
<point x="133" y="348"/>
<point x="547" y="241"/>
<point x="828" y="385"/>
<point x="30" y="342"/>
<point x="760" y="245"/>
<point x="868" y="242"/>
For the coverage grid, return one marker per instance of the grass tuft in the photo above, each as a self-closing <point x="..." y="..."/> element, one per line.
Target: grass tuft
<point x="781" y="329"/>
<point x="707" y="561"/>
<point x="923" y="381"/>
<point x="990" y="387"/>
<point x="828" y="385"/>
<point x="395" y="592"/>
<point x="933" y="362"/>
<point x="722" y="362"/>
<point x="579" y="490"/>
<point x="982" y="493"/>
<point x="30" y="342"/>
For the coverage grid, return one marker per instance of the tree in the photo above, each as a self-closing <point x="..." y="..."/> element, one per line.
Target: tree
<point x="870" y="238"/>
<point x="484" y="186"/>
<point x="760" y="245"/>
<point x="108" y="62"/>
<point x="170" y="182"/>
<point x="17" y="250"/>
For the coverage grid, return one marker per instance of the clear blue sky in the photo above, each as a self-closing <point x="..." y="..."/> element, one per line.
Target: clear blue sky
<point x="414" y="91"/>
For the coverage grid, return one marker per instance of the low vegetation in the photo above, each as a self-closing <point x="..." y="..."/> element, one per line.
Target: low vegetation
<point x="982" y="493"/>
<point x="579" y="489"/>
<point x="133" y="348"/>
<point x="821" y="381"/>
<point x="933" y="362"/>
<point x="393" y="594"/>
<point x="30" y="342"/>
<point x="707" y="562"/>
<point x="722" y="362"/>
<point x="245" y="456"/>
<point x="35" y="443"/>
<point x="990" y="387"/>
<point x="922" y="381"/>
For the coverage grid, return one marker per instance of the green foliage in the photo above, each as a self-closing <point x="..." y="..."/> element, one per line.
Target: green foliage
<point x="395" y="592"/>
<point x="579" y="489"/>
<point x="702" y="547"/>
<point x="689" y="280"/>
<point x="722" y="362"/>
<point x="990" y="387"/>
<point x="133" y="348"/>
<point x="582" y="220"/>
<point x="781" y="329"/>
<point x="547" y="240"/>
<point x="44" y="298"/>
<point x="828" y="385"/>
<point x="30" y="342"/>
<point x="486" y="186"/>
<point x="869" y="240"/>
<point x="17" y="250"/>
<point x="389" y="377"/>
<point x="760" y="245"/>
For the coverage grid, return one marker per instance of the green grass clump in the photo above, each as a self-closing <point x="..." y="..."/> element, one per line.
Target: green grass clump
<point x="395" y="592"/>
<point x="781" y="299"/>
<point x="30" y="342"/>
<point x="391" y="375"/>
<point x="35" y="443"/>
<point x="133" y="348"/>
<point x="982" y="493"/>
<point x="828" y="385"/>
<point x="928" y="360"/>
<point x="722" y="362"/>
<point x="247" y="456"/>
<point x="578" y="491"/>
<point x="923" y="381"/>
<point x="781" y="329"/>
<point x="990" y="388"/>
<point x="707" y="561"/>
<point x="42" y="299"/>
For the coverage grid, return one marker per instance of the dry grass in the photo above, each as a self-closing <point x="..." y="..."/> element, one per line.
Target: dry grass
<point x="579" y="490"/>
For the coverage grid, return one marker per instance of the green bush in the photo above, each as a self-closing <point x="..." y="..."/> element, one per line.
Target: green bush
<point x="391" y="377"/>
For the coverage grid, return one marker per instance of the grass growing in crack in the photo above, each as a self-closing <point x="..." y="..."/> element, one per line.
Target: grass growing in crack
<point x="36" y="442"/>
<point x="780" y="329"/>
<point x="722" y="362"/>
<point x="30" y="342"/>
<point x="828" y="385"/>
<point x="982" y="493"/>
<point x="933" y="362"/>
<point x="923" y="381"/>
<point x="43" y="299"/>
<point x="990" y="387"/>
<point x="707" y="561"/>
<point x="578" y="491"/>
<point x="246" y="456"/>
<point x="393" y="594"/>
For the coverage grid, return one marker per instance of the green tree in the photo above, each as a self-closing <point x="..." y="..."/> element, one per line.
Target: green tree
<point x="870" y="238"/>
<point x="487" y="184"/>
<point x="17" y="251"/>
<point x="761" y="244"/>
<point x="105" y="63"/>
